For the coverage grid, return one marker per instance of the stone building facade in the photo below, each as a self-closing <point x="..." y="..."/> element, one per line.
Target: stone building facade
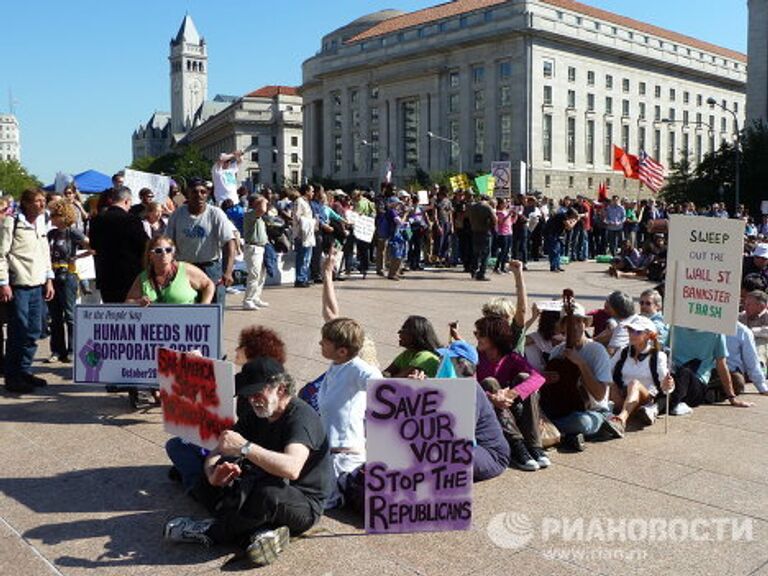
<point x="757" y="85"/>
<point x="552" y="83"/>
<point x="10" y="138"/>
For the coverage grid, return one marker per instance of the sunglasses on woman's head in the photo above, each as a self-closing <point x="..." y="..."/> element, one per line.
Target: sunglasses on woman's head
<point x="162" y="250"/>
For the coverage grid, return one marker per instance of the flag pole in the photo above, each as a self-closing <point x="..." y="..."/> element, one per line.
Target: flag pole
<point x="671" y="339"/>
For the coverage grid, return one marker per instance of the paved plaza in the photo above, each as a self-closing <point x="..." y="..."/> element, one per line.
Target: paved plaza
<point x="84" y="486"/>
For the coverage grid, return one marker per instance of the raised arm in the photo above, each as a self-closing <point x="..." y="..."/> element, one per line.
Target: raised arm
<point x="330" y="304"/>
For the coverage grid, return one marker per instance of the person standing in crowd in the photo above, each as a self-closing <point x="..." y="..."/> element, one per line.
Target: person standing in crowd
<point x="205" y="237"/>
<point x="64" y="240"/>
<point x="118" y="239"/>
<point x="256" y="240"/>
<point x="146" y="197"/>
<point x="482" y="221"/>
<point x="361" y="205"/>
<point x="444" y="209"/>
<point x="224" y="176"/>
<point x="614" y="219"/>
<point x="304" y="226"/>
<point x="506" y="216"/>
<point x="26" y="279"/>
<point x="554" y="229"/>
<point x="153" y="220"/>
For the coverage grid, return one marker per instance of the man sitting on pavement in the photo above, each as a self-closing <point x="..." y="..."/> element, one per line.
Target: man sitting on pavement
<point x="743" y="361"/>
<point x="270" y="473"/>
<point x="755" y="317"/>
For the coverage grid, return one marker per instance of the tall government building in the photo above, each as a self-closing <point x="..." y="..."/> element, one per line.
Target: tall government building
<point x="10" y="138"/>
<point x="552" y="83"/>
<point x="757" y="86"/>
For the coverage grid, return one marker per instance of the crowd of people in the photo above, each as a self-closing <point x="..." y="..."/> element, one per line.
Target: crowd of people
<point x="547" y="374"/>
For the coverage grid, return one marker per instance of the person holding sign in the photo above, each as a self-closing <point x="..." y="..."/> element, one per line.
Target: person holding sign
<point x="164" y="280"/>
<point x="271" y="470"/>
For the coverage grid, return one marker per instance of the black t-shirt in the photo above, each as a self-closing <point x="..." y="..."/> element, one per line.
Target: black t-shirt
<point x="299" y="424"/>
<point x="555" y="226"/>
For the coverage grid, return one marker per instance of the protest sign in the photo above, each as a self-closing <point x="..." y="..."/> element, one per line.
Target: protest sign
<point x="136" y="180"/>
<point x="703" y="283"/>
<point x="363" y="226"/>
<point x="423" y="197"/>
<point x="502" y="173"/>
<point x="485" y="184"/>
<point x="117" y="344"/>
<point x="459" y="182"/>
<point x="420" y="438"/>
<point x="196" y="395"/>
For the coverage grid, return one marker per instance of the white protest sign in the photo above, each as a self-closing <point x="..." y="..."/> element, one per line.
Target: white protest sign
<point x="136" y="180"/>
<point x="117" y="344"/>
<point x="363" y="226"/>
<point x="502" y="173"/>
<point x="196" y="394"/>
<point x="423" y="197"/>
<point x="420" y="442"/>
<point x="703" y="283"/>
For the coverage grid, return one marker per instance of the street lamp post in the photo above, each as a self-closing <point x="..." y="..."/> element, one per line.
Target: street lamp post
<point x="370" y="146"/>
<point x="712" y="102"/>
<point x="449" y="141"/>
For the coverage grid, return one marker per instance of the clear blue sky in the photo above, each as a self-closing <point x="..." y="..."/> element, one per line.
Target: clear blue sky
<point x="85" y="73"/>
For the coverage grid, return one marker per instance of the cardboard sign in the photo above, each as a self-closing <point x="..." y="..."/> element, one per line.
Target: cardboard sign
<point x="703" y="282"/>
<point x="459" y="182"/>
<point x="117" y="344"/>
<point x="364" y="227"/>
<point x="420" y="439"/>
<point x="197" y="396"/>
<point x="136" y="180"/>
<point x="485" y="184"/>
<point x="502" y="173"/>
<point x="423" y="197"/>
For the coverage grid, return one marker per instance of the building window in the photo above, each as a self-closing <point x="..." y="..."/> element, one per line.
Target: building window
<point x="670" y="149"/>
<point x="463" y="22"/>
<point x="453" y="79"/>
<point x="699" y="99"/>
<point x="337" y="153"/>
<point x="254" y="157"/>
<point x="698" y="148"/>
<point x="641" y="138"/>
<point x="608" y="105"/>
<point x="625" y="136"/>
<point x="505" y="95"/>
<point x="479" y="99"/>
<point x="641" y="110"/>
<point x="590" y="78"/>
<point x="571" y="140"/>
<point x="571" y="74"/>
<point x="571" y="99"/>
<point x="625" y="85"/>
<point x="657" y="113"/>
<point x="410" y="111"/>
<point x="686" y="145"/>
<point x="657" y="91"/>
<point x="294" y="140"/>
<point x="686" y="97"/>
<point x="478" y="74"/>
<point x="685" y="117"/>
<point x="479" y="140"/>
<point x="547" y="95"/>
<point x="294" y="158"/>
<point x="254" y="140"/>
<point x="590" y="102"/>
<point x="608" y="144"/>
<point x="672" y="94"/>
<point x="453" y="103"/>
<point x="608" y="82"/>
<point x="736" y="107"/>
<point x="641" y="88"/>
<point x="657" y="144"/>
<point x="505" y="132"/>
<point x="590" y="142"/>
<point x="505" y="70"/>
<point x="625" y="108"/>
<point x="548" y="68"/>
<point x="547" y="181"/>
<point x="671" y="115"/>
<point x="723" y="125"/>
<point x="547" y="137"/>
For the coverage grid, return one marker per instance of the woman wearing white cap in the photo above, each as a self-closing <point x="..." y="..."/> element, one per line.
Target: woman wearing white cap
<point x="639" y="371"/>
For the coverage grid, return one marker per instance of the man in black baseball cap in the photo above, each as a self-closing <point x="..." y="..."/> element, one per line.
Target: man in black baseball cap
<point x="272" y="467"/>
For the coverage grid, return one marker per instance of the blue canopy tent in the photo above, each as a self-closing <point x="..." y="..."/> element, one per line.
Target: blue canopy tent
<point x="89" y="182"/>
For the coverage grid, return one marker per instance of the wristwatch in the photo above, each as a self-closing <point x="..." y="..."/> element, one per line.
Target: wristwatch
<point x="245" y="449"/>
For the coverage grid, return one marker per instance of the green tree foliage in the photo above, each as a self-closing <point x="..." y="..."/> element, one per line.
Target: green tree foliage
<point x="181" y="164"/>
<point x="14" y="178"/>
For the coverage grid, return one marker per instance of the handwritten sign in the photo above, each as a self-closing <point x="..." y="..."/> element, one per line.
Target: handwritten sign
<point x="197" y="396"/>
<point x="136" y="180"/>
<point x="117" y="344"/>
<point x="459" y="182"/>
<point x="703" y="282"/>
<point x="363" y="226"/>
<point x="420" y="438"/>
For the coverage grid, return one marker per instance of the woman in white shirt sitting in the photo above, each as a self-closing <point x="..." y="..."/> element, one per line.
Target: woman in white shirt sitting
<point x="639" y="371"/>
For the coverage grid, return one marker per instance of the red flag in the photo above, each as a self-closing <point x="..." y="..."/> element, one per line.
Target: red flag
<point x="602" y="193"/>
<point x="626" y="163"/>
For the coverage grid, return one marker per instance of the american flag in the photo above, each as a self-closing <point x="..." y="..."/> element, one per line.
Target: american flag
<point x="650" y="172"/>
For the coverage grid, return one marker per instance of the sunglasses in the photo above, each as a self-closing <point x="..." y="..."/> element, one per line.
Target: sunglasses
<point x="162" y="250"/>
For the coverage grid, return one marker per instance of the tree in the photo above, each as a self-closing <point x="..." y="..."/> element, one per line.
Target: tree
<point x="181" y="164"/>
<point x="14" y="178"/>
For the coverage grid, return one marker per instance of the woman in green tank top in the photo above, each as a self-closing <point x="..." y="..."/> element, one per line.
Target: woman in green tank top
<point x="167" y="281"/>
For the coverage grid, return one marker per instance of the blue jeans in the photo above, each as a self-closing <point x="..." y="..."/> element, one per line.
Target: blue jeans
<point x="520" y="244"/>
<point x="505" y="247"/>
<point x="614" y="238"/>
<point x="62" y="311"/>
<point x="587" y="423"/>
<point x="303" y="260"/>
<point x="553" y="248"/>
<point x="25" y="313"/>
<point x="188" y="459"/>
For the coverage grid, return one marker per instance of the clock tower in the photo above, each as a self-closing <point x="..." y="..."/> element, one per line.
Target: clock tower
<point x="189" y="75"/>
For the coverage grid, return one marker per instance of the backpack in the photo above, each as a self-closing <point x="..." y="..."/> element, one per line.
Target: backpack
<point x="653" y="363"/>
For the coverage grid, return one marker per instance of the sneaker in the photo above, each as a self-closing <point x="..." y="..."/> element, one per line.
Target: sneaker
<point x="188" y="530"/>
<point x="266" y="546"/>
<point x="613" y="426"/>
<point x="573" y="443"/>
<point x="231" y="290"/>
<point x="248" y="305"/>
<point x="18" y="385"/>
<point x="648" y="414"/>
<point x="53" y="359"/>
<point x="520" y="458"/>
<point x="682" y="409"/>
<point x="65" y="360"/>
<point x="540" y="456"/>
<point x="262" y="304"/>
